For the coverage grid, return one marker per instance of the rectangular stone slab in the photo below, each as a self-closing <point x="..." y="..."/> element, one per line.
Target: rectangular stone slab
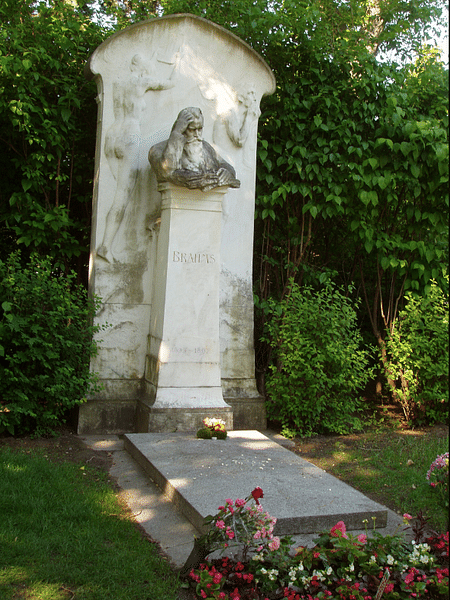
<point x="199" y="475"/>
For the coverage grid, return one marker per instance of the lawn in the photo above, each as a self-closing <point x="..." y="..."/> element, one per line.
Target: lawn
<point x="64" y="534"/>
<point x="389" y="465"/>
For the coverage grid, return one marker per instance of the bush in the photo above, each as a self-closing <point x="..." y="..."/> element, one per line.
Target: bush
<point x="45" y="345"/>
<point x="418" y="357"/>
<point x="320" y="362"/>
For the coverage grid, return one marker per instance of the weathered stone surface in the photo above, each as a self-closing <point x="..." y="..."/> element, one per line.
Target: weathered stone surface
<point x="184" y="354"/>
<point x="160" y="420"/>
<point x="198" y="475"/>
<point x="145" y="75"/>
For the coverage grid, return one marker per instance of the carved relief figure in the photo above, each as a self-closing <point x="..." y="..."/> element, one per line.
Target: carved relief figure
<point x="122" y="142"/>
<point x="238" y="122"/>
<point x="187" y="160"/>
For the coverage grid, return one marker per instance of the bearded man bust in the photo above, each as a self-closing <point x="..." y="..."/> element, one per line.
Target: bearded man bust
<point x="185" y="159"/>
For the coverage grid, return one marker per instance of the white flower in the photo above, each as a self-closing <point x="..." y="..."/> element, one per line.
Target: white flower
<point x="373" y="559"/>
<point x="425" y="559"/>
<point x="329" y="571"/>
<point x="390" y="559"/>
<point x="263" y="571"/>
<point x="352" y="567"/>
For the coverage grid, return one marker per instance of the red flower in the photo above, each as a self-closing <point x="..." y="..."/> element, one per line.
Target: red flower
<point x="338" y="530"/>
<point x="257" y="493"/>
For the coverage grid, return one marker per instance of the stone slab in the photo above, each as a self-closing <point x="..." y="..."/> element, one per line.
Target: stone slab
<point x="198" y="475"/>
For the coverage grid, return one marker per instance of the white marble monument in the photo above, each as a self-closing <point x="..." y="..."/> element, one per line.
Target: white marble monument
<point x="171" y="253"/>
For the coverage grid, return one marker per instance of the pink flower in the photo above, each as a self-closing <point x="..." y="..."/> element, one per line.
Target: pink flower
<point x="239" y="502"/>
<point x="407" y="517"/>
<point x="194" y="576"/>
<point x="217" y="578"/>
<point x="220" y="524"/>
<point x="257" y="493"/>
<point x="389" y="588"/>
<point x="203" y="594"/>
<point x="362" y="538"/>
<point x="339" y="530"/>
<point x="230" y="533"/>
<point x="274" y="544"/>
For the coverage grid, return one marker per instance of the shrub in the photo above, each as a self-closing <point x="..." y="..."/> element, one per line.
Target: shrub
<point x="418" y="357"/>
<point x="320" y="362"/>
<point x="45" y="345"/>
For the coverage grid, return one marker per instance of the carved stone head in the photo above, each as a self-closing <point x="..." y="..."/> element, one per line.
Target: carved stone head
<point x="194" y="117"/>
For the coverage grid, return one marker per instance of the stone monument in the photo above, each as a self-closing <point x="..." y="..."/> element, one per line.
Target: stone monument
<point x="172" y="230"/>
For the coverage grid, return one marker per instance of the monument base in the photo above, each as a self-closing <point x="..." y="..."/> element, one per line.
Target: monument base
<point x="248" y="413"/>
<point x="106" y="417"/>
<point x="249" y="407"/>
<point x="150" y="419"/>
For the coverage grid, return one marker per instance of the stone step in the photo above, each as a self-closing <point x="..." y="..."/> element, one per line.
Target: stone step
<point x="199" y="475"/>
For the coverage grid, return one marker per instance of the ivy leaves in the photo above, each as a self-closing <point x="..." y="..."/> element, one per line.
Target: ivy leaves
<point x="355" y="151"/>
<point x="45" y="110"/>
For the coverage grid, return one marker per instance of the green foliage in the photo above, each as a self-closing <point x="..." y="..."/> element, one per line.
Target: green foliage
<point x="352" y="183"/>
<point x="418" y="351"/>
<point x="327" y="26"/>
<point x="352" y="160"/>
<point x="45" y="345"/>
<point x="204" y="433"/>
<point x="321" y="365"/>
<point x="47" y="126"/>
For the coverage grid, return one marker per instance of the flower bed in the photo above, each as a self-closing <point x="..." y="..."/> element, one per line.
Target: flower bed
<point x="340" y="565"/>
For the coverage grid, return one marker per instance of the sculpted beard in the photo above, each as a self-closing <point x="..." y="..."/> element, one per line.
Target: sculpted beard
<point x="193" y="154"/>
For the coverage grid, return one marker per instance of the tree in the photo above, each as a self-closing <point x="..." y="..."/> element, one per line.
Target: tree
<point x="47" y="125"/>
<point x="353" y="182"/>
<point x="329" y="26"/>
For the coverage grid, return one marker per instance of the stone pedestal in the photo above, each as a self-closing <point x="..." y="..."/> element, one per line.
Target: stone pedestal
<point x="183" y="375"/>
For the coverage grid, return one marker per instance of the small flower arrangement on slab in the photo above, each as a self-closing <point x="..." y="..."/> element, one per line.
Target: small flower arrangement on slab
<point x="213" y="428"/>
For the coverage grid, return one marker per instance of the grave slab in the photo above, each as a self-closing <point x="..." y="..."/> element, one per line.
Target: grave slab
<point x="199" y="475"/>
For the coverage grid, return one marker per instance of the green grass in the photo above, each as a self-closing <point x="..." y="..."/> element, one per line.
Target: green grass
<point x="391" y="468"/>
<point x="63" y="535"/>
